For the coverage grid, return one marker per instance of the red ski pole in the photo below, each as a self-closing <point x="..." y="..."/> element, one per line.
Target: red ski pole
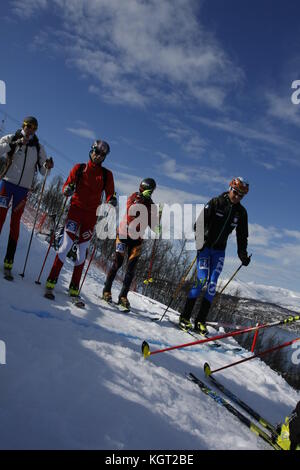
<point x="88" y="267"/>
<point x="263" y="353"/>
<point x="146" y="349"/>
<point x="51" y="241"/>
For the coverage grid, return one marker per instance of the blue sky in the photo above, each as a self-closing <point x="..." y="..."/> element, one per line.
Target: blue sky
<point x="189" y="92"/>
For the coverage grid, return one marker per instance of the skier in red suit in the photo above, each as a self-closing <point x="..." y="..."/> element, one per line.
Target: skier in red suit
<point x="85" y="183"/>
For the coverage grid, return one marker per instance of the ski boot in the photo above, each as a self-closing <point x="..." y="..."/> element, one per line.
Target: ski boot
<point x="124" y="304"/>
<point x="7" y="270"/>
<point x="74" y="294"/>
<point x="106" y="296"/>
<point x="49" y="290"/>
<point x="185" y="324"/>
<point x="201" y="328"/>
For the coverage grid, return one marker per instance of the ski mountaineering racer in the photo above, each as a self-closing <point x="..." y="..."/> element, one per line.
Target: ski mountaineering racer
<point x="222" y="215"/>
<point x="24" y="157"/>
<point x="85" y="184"/>
<point x="132" y="242"/>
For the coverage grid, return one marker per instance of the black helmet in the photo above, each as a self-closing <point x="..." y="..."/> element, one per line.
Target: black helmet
<point x="100" y="147"/>
<point x="148" y="184"/>
<point x="31" y="121"/>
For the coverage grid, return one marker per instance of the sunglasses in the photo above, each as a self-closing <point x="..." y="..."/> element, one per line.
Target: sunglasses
<point x="101" y="152"/>
<point x="29" y="126"/>
<point x="237" y="193"/>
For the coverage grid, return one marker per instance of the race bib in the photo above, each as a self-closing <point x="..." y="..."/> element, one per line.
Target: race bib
<point x="4" y="201"/>
<point x="120" y="248"/>
<point x="71" y="226"/>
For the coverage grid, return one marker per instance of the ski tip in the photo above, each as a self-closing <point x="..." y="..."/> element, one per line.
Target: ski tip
<point x="145" y="349"/>
<point x="207" y="369"/>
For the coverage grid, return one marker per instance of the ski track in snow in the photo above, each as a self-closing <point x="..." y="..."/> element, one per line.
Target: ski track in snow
<point x="76" y="379"/>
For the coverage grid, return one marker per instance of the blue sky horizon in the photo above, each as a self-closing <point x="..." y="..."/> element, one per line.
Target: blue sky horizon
<point x="188" y="92"/>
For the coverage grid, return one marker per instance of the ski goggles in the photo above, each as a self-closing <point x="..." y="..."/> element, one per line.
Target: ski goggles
<point x="237" y="193"/>
<point x="29" y="125"/>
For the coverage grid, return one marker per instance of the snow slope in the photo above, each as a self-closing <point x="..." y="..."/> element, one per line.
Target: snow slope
<point x="76" y="379"/>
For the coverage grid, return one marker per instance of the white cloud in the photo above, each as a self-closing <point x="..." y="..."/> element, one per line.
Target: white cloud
<point x="282" y="108"/>
<point x="26" y="9"/>
<point x="82" y="132"/>
<point x="138" y="52"/>
<point x="190" y="174"/>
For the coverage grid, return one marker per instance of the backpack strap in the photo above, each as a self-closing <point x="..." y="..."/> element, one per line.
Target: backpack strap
<point x="79" y="173"/>
<point x="35" y="143"/>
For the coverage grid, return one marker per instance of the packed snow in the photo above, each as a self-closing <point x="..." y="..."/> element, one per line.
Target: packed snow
<point x="76" y="379"/>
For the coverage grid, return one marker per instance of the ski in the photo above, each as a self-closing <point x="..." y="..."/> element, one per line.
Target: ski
<point x="49" y="295"/>
<point x="118" y="307"/>
<point x="78" y="302"/>
<point x="229" y="407"/>
<point x="239" y="402"/>
<point x="215" y="345"/>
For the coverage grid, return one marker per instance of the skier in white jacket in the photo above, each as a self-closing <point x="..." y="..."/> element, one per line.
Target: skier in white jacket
<point x="24" y="156"/>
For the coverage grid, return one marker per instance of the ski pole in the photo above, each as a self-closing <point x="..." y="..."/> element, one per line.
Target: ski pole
<point x="178" y="288"/>
<point x="34" y="223"/>
<point x="263" y="353"/>
<point x="146" y="349"/>
<point x="153" y="252"/>
<point x="88" y="267"/>
<point x="51" y="241"/>
<point x="149" y="278"/>
<point x="234" y="274"/>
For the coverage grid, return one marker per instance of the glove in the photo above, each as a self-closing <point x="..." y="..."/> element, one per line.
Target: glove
<point x="49" y="163"/>
<point x="245" y="259"/>
<point x="69" y="190"/>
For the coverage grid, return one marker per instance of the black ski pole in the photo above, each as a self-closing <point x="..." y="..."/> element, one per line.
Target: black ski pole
<point x="34" y="223"/>
<point x="234" y="274"/>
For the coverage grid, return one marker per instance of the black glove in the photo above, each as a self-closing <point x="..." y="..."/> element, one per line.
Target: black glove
<point x="49" y="163"/>
<point x="245" y="259"/>
<point x="69" y="190"/>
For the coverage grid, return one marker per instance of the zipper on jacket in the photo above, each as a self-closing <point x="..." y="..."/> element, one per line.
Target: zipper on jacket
<point x="23" y="165"/>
